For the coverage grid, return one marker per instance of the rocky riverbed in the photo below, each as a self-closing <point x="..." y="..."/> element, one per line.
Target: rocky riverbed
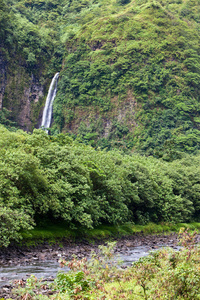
<point x="16" y="257"/>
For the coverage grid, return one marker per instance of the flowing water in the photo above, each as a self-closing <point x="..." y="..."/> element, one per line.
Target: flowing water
<point x="46" y="269"/>
<point x="48" y="109"/>
<point x="50" y="268"/>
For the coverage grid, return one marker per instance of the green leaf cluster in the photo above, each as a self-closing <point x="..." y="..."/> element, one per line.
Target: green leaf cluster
<point x="170" y="274"/>
<point x="56" y="177"/>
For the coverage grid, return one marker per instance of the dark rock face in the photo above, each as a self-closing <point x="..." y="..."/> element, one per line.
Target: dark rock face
<point x="2" y="78"/>
<point x="21" y="93"/>
<point x="32" y="94"/>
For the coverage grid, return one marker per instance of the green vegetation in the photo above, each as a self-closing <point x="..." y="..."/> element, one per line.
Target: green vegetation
<point x="129" y="70"/>
<point x="57" y="178"/>
<point x="129" y="83"/>
<point x="53" y="233"/>
<point x="164" y="274"/>
<point x="30" y="53"/>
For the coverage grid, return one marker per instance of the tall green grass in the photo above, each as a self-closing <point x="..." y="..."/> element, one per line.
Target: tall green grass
<point x="57" y="232"/>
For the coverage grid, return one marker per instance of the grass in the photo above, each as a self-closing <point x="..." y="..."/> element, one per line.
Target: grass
<point x="50" y="232"/>
<point x="122" y="290"/>
<point x="56" y="232"/>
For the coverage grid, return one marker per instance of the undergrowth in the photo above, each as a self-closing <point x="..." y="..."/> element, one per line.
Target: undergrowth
<point x="57" y="233"/>
<point x="164" y="274"/>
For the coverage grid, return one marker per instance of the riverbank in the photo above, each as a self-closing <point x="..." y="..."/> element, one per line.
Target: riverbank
<point x="53" y="232"/>
<point x="52" y="242"/>
<point x="44" y="251"/>
<point x="24" y="255"/>
<point x="15" y="255"/>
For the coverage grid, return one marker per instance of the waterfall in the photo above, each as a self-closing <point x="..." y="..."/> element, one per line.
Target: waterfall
<point x="48" y="109"/>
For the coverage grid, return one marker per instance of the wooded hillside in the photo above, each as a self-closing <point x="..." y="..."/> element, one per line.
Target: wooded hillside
<point x="54" y="177"/>
<point x="129" y="70"/>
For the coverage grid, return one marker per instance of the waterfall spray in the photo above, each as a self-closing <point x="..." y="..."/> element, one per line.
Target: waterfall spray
<point x="48" y="109"/>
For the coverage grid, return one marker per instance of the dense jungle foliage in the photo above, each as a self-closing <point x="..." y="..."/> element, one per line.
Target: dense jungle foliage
<point x="45" y="176"/>
<point x="21" y="38"/>
<point x="129" y="70"/>
<point x="129" y="76"/>
<point x="143" y="55"/>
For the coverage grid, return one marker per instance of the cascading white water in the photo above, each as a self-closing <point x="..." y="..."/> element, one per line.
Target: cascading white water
<point x="48" y="109"/>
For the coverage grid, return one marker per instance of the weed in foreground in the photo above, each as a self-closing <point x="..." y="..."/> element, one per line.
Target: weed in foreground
<point x="164" y="274"/>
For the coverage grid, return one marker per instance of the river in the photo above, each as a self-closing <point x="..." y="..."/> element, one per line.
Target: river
<point x="49" y="268"/>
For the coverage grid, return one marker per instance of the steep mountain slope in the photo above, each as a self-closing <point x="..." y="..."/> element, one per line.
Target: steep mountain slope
<point x="27" y="60"/>
<point x="130" y="70"/>
<point x="131" y="77"/>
